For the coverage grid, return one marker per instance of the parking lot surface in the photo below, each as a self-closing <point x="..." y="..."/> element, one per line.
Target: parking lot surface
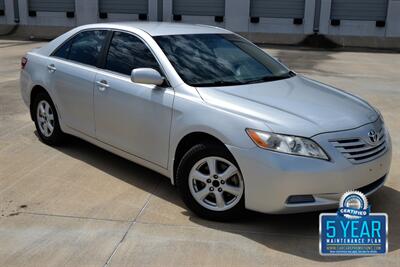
<point x="78" y="205"/>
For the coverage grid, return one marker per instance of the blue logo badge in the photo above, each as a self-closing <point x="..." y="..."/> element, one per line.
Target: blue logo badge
<point x="353" y="230"/>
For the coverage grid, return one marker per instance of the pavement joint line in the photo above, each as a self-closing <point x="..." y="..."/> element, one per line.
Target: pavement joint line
<point x="347" y="76"/>
<point x="130" y="226"/>
<point x="28" y="173"/>
<point x="5" y="80"/>
<point x="2" y="45"/>
<point x="13" y="131"/>
<point x="161" y="224"/>
<point x="72" y="216"/>
<point x="231" y="230"/>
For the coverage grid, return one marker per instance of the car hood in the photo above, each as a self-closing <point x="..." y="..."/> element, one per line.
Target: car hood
<point x="297" y="106"/>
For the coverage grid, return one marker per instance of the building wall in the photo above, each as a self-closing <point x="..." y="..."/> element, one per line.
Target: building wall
<point x="236" y="18"/>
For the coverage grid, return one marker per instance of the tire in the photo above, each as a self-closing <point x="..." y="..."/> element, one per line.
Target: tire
<point x="46" y="120"/>
<point x="194" y="176"/>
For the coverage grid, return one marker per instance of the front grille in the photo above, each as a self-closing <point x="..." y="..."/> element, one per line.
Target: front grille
<point x="357" y="150"/>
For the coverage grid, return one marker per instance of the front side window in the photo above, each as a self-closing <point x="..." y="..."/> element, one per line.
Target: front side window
<point x="84" y="48"/>
<point x="128" y="52"/>
<point x="219" y="60"/>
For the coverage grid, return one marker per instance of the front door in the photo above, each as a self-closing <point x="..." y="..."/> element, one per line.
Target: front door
<point x="133" y="117"/>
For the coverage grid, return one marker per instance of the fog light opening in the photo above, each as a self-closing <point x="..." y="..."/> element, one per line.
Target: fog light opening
<point x="298" y="199"/>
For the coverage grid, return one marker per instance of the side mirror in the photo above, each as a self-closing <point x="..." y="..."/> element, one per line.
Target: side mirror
<point x="146" y="76"/>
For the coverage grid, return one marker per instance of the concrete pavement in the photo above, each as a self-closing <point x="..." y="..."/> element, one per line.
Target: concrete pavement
<point x="79" y="205"/>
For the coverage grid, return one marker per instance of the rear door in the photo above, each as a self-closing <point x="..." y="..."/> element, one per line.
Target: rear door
<point x="72" y="71"/>
<point x="133" y="117"/>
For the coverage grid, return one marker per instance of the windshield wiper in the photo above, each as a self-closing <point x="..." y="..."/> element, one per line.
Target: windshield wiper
<point x="217" y="83"/>
<point x="272" y="78"/>
<point x="230" y="83"/>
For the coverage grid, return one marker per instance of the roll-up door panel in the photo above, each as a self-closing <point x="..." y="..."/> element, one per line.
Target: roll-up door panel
<point x="52" y="6"/>
<point x="199" y="8"/>
<point x="372" y="10"/>
<point x="277" y="8"/>
<point x="124" y="6"/>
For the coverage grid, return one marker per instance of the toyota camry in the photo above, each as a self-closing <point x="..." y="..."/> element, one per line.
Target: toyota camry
<point x="228" y="124"/>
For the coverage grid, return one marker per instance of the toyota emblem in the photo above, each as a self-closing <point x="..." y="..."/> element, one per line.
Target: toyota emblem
<point x="373" y="137"/>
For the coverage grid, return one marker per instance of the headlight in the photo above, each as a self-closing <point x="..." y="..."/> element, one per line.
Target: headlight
<point x="287" y="144"/>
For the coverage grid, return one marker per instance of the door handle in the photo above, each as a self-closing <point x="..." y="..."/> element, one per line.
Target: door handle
<point x="102" y="85"/>
<point x="51" y="68"/>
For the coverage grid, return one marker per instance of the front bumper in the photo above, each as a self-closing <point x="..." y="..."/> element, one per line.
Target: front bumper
<point x="271" y="178"/>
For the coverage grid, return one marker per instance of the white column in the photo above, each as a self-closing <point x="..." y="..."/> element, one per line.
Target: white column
<point x="393" y="19"/>
<point x="309" y="13"/>
<point x="9" y="11"/>
<point x="23" y="12"/>
<point x="167" y="10"/>
<point x="86" y="11"/>
<point x="325" y="17"/>
<point x="237" y="14"/>
<point x="152" y="10"/>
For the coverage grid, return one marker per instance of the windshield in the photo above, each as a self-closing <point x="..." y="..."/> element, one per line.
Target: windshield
<point x="220" y="60"/>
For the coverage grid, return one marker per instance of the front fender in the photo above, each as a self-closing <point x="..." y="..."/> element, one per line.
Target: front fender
<point x="192" y="115"/>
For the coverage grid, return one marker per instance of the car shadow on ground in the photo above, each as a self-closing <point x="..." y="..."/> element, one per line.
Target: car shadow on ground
<point x="295" y="234"/>
<point x="300" y="232"/>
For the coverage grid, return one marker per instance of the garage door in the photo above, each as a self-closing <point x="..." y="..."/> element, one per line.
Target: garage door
<point x="124" y="6"/>
<point x="373" y="10"/>
<point x="199" y="8"/>
<point x="277" y="8"/>
<point x="52" y="6"/>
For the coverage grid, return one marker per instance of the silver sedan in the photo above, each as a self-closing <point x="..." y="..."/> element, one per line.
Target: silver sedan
<point x="228" y="124"/>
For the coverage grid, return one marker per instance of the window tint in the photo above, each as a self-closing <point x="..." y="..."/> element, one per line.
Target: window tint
<point x="128" y="52"/>
<point x="63" y="51"/>
<point x="85" y="47"/>
<point x="219" y="60"/>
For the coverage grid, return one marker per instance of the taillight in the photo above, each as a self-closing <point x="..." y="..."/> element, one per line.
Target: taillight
<point x="24" y="61"/>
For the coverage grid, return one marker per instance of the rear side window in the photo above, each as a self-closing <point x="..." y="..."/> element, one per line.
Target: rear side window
<point x="63" y="51"/>
<point x="128" y="52"/>
<point x="84" y="48"/>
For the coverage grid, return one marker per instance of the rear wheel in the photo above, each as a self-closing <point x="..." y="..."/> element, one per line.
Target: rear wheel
<point x="211" y="183"/>
<point x="46" y="120"/>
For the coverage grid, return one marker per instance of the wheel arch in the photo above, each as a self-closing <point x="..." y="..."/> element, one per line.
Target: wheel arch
<point x="34" y="92"/>
<point x="190" y="140"/>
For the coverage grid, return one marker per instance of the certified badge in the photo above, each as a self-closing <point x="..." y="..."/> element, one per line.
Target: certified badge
<point x="353" y="205"/>
<point x="353" y="230"/>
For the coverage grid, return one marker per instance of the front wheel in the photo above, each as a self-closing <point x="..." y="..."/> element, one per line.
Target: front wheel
<point x="210" y="183"/>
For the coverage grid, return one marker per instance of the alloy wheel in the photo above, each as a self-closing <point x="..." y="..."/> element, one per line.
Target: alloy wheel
<point x="45" y="118"/>
<point x="216" y="184"/>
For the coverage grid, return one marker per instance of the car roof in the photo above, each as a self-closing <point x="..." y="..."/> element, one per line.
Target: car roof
<point x="161" y="28"/>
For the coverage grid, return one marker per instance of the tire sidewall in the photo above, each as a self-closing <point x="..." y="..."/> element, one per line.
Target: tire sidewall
<point x="191" y="157"/>
<point x="56" y="136"/>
